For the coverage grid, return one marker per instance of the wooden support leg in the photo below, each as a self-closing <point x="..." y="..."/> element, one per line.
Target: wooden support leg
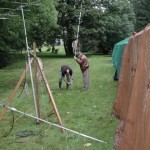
<point x="50" y="95"/>
<point x="15" y="91"/>
<point x="36" y="83"/>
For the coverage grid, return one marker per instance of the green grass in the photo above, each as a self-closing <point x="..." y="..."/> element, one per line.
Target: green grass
<point x="88" y="112"/>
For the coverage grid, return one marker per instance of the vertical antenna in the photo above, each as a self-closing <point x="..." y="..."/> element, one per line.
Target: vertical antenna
<point x="29" y="61"/>
<point x="78" y="29"/>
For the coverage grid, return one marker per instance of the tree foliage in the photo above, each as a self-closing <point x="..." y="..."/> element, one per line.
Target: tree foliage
<point x="40" y="21"/>
<point x="119" y="21"/>
<point x="103" y="23"/>
<point x="68" y="12"/>
<point x="142" y="11"/>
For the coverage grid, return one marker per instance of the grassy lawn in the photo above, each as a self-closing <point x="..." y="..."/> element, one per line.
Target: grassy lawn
<point x="88" y="112"/>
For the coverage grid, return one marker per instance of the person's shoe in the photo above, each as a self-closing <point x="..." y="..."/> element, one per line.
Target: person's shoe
<point x="84" y="89"/>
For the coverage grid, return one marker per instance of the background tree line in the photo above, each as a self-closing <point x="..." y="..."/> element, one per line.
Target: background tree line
<point x="103" y="23"/>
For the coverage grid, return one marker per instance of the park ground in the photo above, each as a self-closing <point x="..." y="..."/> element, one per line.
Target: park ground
<point x="87" y="112"/>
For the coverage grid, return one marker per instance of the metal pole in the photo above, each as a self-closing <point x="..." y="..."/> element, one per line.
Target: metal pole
<point x="78" y="29"/>
<point x="79" y="22"/>
<point x="29" y="61"/>
<point x="53" y="124"/>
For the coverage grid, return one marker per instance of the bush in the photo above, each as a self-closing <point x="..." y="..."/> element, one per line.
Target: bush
<point x="4" y="58"/>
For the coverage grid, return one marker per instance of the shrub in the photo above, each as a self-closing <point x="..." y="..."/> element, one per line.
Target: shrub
<point x="4" y="58"/>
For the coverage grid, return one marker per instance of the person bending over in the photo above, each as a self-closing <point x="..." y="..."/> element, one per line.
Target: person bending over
<point x="66" y="75"/>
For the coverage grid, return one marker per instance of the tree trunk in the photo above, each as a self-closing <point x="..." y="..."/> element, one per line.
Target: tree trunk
<point x="68" y="47"/>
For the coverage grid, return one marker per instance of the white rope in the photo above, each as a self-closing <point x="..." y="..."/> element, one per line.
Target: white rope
<point x="53" y="124"/>
<point x="21" y="115"/>
<point x="41" y="87"/>
<point x="3" y="100"/>
<point x="26" y="89"/>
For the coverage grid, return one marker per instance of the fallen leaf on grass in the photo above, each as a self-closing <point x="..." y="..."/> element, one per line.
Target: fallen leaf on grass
<point x="87" y="144"/>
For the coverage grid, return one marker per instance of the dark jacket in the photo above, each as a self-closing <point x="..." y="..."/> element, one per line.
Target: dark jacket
<point x="64" y="70"/>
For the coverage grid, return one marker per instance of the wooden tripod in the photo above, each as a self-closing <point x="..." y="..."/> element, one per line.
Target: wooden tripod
<point x="51" y="99"/>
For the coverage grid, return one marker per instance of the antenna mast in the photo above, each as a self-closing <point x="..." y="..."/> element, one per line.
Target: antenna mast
<point x="29" y="61"/>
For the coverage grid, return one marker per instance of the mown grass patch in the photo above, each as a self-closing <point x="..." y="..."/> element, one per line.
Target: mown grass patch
<point x="88" y="112"/>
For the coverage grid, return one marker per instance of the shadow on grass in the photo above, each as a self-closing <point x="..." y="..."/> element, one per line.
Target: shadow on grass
<point x="21" y="57"/>
<point x="46" y="55"/>
<point x="49" y="55"/>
